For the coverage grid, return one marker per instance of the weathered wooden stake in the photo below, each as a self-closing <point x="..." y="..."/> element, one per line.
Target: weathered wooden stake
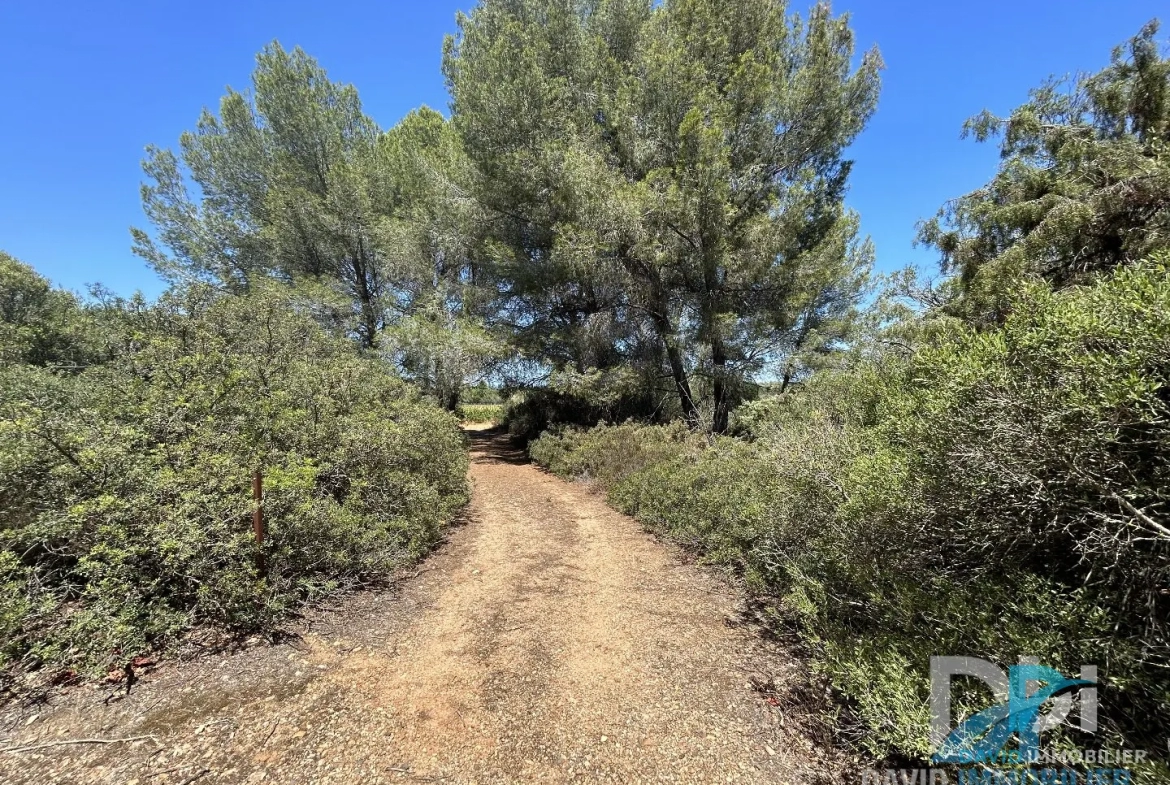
<point x="258" y="521"/>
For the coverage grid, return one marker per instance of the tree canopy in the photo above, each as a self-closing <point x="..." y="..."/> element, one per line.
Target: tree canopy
<point x="622" y="185"/>
<point x="292" y="180"/>
<point x="39" y="325"/>
<point x="1083" y="187"/>
<point x="665" y="181"/>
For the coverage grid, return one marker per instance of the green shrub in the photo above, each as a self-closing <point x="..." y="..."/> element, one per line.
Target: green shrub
<point x="125" y="490"/>
<point x="574" y="399"/>
<point x="999" y="494"/>
<point x="481" y="393"/>
<point x="480" y="412"/>
<point x="40" y="325"/>
<point x="609" y="453"/>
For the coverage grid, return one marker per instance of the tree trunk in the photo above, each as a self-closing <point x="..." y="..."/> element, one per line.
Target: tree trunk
<point x="787" y="380"/>
<point x="678" y="368"/>
<point x="682" y="384"/>
<point x="722" y="415"/>
<point x="366" y="298"/>
<point x="712" y="308"/>
<point x="660" y="316"/>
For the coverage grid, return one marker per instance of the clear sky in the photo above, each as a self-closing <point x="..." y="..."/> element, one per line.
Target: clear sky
<point x="85" y="86"/>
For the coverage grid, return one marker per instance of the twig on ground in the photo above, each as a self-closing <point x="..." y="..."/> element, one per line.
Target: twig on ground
<point x="194" y="777"/>
<point x="76" y="741"/>
<point x="411" y="775"/>
<point x="168" y="771"/>
<point x="165" y="771"/>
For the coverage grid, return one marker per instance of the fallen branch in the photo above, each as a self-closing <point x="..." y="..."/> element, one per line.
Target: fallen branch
<point x="75" y="741"/>
<point x="196" y="776"/>
<point x="1141" y="516"/>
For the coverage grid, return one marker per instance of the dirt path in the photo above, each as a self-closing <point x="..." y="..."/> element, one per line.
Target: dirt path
<point x="550" y="640"/>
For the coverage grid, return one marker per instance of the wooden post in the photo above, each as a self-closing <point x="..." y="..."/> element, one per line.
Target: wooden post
<point x="258" y="520"/>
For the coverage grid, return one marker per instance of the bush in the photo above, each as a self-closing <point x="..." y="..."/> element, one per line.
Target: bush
<point x="40" y="325"/>
<point x="609" y="453"/>
<point x="481" y="394"/>
<point x="582" y="400"/>
<point x="125" y="490"/>
<point x="480" y="412"/>
<point x="1000" y="494"/>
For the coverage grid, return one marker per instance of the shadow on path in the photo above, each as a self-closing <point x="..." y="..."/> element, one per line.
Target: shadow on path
<point x="495" y="445"/>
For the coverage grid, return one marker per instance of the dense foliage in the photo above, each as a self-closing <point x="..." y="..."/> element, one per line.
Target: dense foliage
<point x="125" y="486"/>
<point x="39" y="325"/>
<point x="649" y="191"/>
<point x="665" y="182"/>
<point x="293" y="182"/>
<point x="1084" y="185"/>
<point x="1001" y="493"/>
<point x="988" y="476"/>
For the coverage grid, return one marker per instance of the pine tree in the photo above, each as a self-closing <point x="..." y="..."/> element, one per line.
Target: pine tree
<point x="1083" y="187"/>
<point x="288" y="181"/>
<point x="668" y="169"/>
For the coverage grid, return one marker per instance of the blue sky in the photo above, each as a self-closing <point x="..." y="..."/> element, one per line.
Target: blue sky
<point x="86" y="86"/>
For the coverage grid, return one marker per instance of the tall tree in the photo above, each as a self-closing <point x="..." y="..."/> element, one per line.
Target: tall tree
<point x="1084" y="184"/>
<point x="671" y="168"/>
<point x="436" y="333"/>
<point x="435" y="217"/>
<point x="288" y="180"/>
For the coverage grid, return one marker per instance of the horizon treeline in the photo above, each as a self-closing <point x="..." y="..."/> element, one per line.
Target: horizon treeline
<point x="636" y="203"/>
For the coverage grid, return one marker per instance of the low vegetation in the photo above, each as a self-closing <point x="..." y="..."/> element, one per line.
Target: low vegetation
<point x="480" y="412"/>
<point x="994" y="493"/>
<point x="129" y="436"/>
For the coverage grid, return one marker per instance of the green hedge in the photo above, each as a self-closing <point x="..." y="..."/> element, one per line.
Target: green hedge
<point x="125" y="489"/>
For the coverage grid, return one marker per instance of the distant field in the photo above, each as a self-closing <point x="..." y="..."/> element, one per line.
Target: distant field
<point x="481" y="412"/>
